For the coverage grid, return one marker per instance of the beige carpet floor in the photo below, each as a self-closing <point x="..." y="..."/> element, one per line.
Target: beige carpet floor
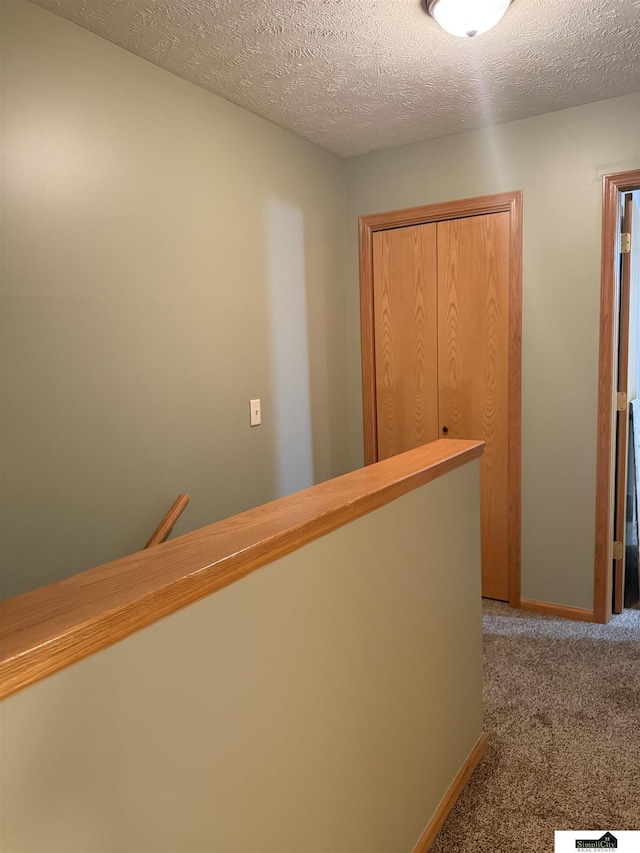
<point x="562" y="711"/>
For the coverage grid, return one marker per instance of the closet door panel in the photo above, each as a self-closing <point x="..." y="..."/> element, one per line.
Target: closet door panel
<point x="406" y="350"/>
<point x="473" y="334"/>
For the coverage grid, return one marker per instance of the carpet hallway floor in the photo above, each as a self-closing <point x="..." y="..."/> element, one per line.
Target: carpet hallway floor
<point x="562" y="711"/>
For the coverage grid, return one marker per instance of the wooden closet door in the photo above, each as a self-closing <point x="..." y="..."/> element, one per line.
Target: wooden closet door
<point x="406" y="350"/>
<point x="473" y="335"/>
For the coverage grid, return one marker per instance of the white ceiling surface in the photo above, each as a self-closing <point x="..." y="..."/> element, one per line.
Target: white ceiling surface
<point x="356" y="75"/>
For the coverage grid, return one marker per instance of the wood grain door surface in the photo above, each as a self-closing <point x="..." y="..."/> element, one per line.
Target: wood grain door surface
<point x="406" y="350"/>
<point x="473" y="335"/>
<point x="441" y="329"/>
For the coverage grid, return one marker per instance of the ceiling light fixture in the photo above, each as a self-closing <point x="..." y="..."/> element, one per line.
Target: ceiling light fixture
<point x="467" y="18"/>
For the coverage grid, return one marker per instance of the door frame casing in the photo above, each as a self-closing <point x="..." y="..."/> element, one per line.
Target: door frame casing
<point x="509" y="202"/>
<point x="612" y="186"/>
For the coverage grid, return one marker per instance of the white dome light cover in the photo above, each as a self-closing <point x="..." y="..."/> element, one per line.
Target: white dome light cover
<point x="467" y="18"/>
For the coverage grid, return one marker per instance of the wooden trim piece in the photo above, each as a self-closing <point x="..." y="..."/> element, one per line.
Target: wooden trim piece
<point x="510" y="202"/>
<point x="165" y="527"/>
<point x="367" y="344"/>
<point x="476" y="206"/>
<point x="603" y="569"/>
<point x="449" y="800"/>
<point x="43" y="631"/>
<point x="578" y="614"/>
<point x="605" y="466"/>
<point x="515" y="400"/>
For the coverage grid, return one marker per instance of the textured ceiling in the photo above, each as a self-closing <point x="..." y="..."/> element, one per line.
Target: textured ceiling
<point x="356" y="75"/>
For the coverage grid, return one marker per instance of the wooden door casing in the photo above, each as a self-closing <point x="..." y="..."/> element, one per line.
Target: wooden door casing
<point x="612" y="186"/>
<point x="406" y="352"/>
<point x="509" y="203"/>
<point x="473" y="368"/>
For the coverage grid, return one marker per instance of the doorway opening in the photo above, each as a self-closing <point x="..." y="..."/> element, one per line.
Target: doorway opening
<point x="618" y="462"/>
<point x="626" y="579"/>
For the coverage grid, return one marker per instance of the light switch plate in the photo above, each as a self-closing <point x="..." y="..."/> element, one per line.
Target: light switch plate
<point x="256" y="412"/>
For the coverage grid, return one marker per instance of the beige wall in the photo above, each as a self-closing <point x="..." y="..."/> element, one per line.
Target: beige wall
<point x="323" y="703"/>
<point x="558" y="161"/>
<point x="166" y="256"/>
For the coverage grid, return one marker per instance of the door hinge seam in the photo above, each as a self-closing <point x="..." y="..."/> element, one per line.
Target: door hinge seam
<point x="625" y="242"/>
<point x="621" y="401"/>
<point x="617" y="550"/>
